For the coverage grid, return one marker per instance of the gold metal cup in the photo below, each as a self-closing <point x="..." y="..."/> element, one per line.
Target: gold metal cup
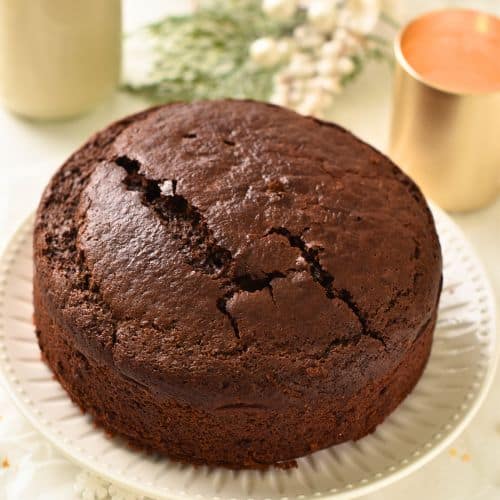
<point x="448" y="142"/>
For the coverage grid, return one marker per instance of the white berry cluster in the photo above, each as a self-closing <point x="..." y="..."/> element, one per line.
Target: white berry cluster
<point x="318" y="57"/>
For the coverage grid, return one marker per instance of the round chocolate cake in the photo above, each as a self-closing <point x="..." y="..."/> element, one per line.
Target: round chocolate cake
<point x="234" y="284"/>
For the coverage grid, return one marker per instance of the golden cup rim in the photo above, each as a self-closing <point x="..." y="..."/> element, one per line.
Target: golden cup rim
<point x="407" y="68"/>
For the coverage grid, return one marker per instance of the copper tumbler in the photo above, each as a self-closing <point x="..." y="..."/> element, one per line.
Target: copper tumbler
<point x="447" y="140"/>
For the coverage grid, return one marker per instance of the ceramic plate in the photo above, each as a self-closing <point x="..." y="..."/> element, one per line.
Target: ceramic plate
<point x="454" y="383"/>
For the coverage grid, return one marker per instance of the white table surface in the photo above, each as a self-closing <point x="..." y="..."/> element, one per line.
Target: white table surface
<point x="30" y="152"/>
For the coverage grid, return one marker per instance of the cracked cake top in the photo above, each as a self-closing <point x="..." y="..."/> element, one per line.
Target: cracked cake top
<point x="236" y="253"/>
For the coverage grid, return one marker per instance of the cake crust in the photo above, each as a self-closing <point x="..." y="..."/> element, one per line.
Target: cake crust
<point x="230" y="283"/>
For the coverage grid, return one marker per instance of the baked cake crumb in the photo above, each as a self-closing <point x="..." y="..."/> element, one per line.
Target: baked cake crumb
<point x="231" y="283"/>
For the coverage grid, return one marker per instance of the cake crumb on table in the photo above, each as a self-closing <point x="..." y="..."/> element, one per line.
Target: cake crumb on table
<point x="5" y="463"/>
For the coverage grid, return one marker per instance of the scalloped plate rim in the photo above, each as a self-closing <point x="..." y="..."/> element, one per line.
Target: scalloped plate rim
<point x="401" y="471"/>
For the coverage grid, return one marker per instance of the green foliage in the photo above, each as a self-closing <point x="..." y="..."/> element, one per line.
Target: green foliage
<point x="205" y="54"/>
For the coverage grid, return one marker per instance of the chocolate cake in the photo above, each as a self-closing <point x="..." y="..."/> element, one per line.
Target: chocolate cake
<point x="231" y="283"/>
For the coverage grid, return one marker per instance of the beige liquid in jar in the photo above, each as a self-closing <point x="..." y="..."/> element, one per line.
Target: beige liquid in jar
<point x="58" y="58"/>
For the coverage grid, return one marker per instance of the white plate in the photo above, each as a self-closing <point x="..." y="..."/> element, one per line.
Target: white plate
<point x="454" y="383"/>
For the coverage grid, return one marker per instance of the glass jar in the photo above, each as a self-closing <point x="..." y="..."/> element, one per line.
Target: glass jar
<point x="58" y="58"/>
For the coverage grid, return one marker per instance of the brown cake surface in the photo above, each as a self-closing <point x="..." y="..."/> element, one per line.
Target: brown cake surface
<point x="231" y="283"/>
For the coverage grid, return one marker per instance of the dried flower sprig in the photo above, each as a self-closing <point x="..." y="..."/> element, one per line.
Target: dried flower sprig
<point x="295" y="53"/>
